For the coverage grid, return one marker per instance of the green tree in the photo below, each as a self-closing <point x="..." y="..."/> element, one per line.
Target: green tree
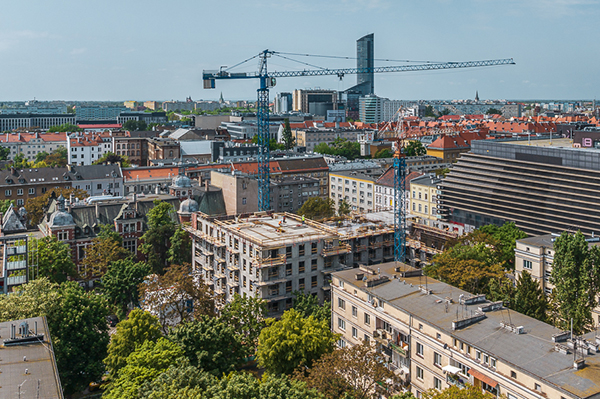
<point x="65" y="127"/>
<point x="343" y="208"/>
<point x="120" y="283"/>
<point x="501" y="289"/>
<point x="287" y="137"/>
<point x="180" y="248"/>
<point x="353" y="372"/>
<point x="105" y="250"/>
<point x="79" y="336"/>
<point x="176" y="296"/>
<point x="469" y="264"/>
<point x="54" y="259"/>
<point x="246" y="314"/>
<point x="506" y="236"/>
<point x="454" y="392"/>
<point x="308" y="305"/>
<point x="293" y="341"/>
<point x="110" y="157"/>
<point x="132" y="125"/>
<point x="576" y="278"/>
<point x="5" y="204"/>
<point x="39" y="297"/>
<point x="442" y="172"/>
<point x="21" y="162"/>
<point x="529" y="297"/>
<point x="58" y="157"/>
<point x="156" y="240"/>
<point x="143" y="365"/>
<point x="383" y="153"/>
<point x="317" y="208"/>
<point x="131" y="334"/>
<point x="429" y="112"/>
<point x="41" y="156"/>
<point x="235" y="386"/>
<point x="493" y="111"/>
<point x="414" y="148"/>
<point x="273" y="144"/>
<point x="4" y="153"/>
<point x="210" y="344"/>
<point x="340" y="147"/>
<point x="179" y="381"/>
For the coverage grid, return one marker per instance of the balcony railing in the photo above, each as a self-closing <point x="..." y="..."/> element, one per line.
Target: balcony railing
<point x="16" y="280"/>
<point x="336" y="250"/>
<point x="271" y="261"/>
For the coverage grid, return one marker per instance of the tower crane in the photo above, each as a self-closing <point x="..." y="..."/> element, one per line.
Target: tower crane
<point x="268" y="79"/>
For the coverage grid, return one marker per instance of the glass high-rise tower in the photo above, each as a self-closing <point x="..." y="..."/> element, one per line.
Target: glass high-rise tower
<point x="365" y="82"/>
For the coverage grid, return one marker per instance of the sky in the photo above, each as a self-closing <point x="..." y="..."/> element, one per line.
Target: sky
<point x="156" y="50"/>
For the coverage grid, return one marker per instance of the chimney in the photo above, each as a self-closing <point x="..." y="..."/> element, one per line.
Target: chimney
<point x="97" y="206"/>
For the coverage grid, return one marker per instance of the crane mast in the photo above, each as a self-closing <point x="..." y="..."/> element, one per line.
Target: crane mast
<point x="267" y="80"/>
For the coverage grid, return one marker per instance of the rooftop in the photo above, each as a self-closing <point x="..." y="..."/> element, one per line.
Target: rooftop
<point x="34" y="345"/>
<point x="532" y="351"/>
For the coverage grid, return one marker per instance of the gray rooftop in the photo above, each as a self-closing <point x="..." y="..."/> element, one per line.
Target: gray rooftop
<point x="531" y="352"/>
<point x="40" y="363"/>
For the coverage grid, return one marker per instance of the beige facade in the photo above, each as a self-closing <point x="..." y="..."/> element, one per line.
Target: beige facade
<point x="536" y="255"/>
<point x="434" y="335"/>
<point x="240" y="192"/>
<point x="310" y="138"/>
<point x="423" y="199"/>
<point x="356" y="188"/>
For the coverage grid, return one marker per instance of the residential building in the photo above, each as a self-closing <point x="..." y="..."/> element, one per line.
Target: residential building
<point x="433" y="336"/>
<point x="28" y="362"/>
<point x="153" y="105"/>
<point x="169" y="106"/>
<point x="163" y="148"/>
<point x="449" y="147"/>
<point x="356" y="188"/>
<point x="98" y="180"/>
<point x="10" y="122"/>
<point x="87" y="149"/>
<point x="369" y="241"/>
<point x="385" y="193"/>
<point x="542" y="188"/>
<point x="243" y="130"/>
<point x="14" y="251"/>
<point x="536" y="256"/>
<point x="148" y="180"/>
<point x="22" y="184"/>
<point x="240" y="191"/>
<point x="31" y="144"/>
<point x="148" y="117"/>
<point x="131" y="104"/>
<point x="288" y="194"/>
<point x="269" y="256"/>
<point x="423" y="199"/>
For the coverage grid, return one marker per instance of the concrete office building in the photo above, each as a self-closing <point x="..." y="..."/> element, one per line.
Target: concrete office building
<point x="543" y="188"/>
<point x="98" y="113"/>
<point x="10" y="122"/>
<point x="315" y="102"/>
<point x="264" y="255"/>
<point x="433" y="336"/>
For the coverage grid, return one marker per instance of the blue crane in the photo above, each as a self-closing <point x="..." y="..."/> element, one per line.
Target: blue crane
<point x="268" y="80"/>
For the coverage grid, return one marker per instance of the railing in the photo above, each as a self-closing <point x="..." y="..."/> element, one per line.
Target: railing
<point x="19" y="264"/>
<point x="336" y="250"/>
<point x="456" y="380"/>
<point x="16" y="280"/>
<point x="271" y="261"/>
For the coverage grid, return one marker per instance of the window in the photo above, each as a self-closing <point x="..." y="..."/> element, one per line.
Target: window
<point x="20" y="201"/>
<point x="288" y="269"/>
<point x="493" y="363"/>
<point x="244" y="201"/>
<point x="341" y="303"/>
<point x="437" y="359"/>
<point x="62" y="236"/>
<point x="354" y="332"/>
<point x="19" y="191"/>
<point x="301" y="267"/>
<point x="526" y="264"/>
<point x="313" y="282"/>
<point x="513" y="374"/>
<point x="8" y="193"/>
<point x="342" y="324"/>
<point x="367" y="338"/>
<point x="538" y="387"/>
<point x="288" y="287"/>
<point x="341" y="284"/>
<point x="99" y="187"/>
<point x="419" y="349"/>
<point x="486" y="359"/>
<point x="438" y="336"/>
<point x="437" y="383"/>
<point x="342" y="343"/>
<point x="130" y="245"/>
<point x="313" y="265"/>
<point x="313" y="248"/>
<point x="420" y="327"/>
<point x="367" y="319"/>
<point x="478" y="356"/>
<point x="301" y="284"/>
<point x="354" y="311"/>
<point x="419" y="373"/>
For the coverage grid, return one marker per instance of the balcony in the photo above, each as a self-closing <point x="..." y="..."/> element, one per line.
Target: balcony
<point x="455" y="379"/>
<point x="335" y="250"/>
<point x="270" y="281"/>
<point x="386" y="340"/>
<point x="16" y="280"/>
<point x="271" y="261"/>
<point x="15" y="265"/>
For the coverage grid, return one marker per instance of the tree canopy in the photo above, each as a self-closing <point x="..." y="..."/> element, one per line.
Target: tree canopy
<point x="340" y="147"/>
<point x="36" y="206"/>
<point x="4" y="153"/>
<point x="156" y="240"/>
<point x="308" y="305"/>
<point x="131" y="334"/>
<point x="414" y="148"/>
<point x="110" y="157"/>
<point x="576" y="279"/>
<point x="120" y="283"/>
<point x="288" y="139"/>
<point x="454" y="392"/>
<point x="65" y="127"/>
<point x="105" y="250"/>
<point x="293" y="341"/>
<point x="132" y="125"/>
<point x="54" y="260"/>
<point x="529" y="297"/>
<point x="317" y="208"/>
<point x="246" y="314"/>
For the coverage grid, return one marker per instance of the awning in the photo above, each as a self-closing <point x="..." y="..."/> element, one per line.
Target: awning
<point x="451" y="369"/>
<point x="484" y="378"/>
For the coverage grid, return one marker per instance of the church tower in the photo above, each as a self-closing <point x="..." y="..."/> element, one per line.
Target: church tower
<point x="476" y="96"/>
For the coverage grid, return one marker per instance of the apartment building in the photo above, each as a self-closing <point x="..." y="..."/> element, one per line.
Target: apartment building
<point x="536" y="256"/>
<point x="434" y="336"/>
<point x="163" y="148"/>
<point x="265" y="255"/>
<point x="423" y="199"/>
<point x="31" y="144"/>
<point x="385" y="193"/>
<point x="22" y="184"/>
<point x="310" y="138"/>
<point x="355" y="187"/>
<point x="449" y="147"/>
<point x="10" y="122"/>
<point x="87" y="148"/>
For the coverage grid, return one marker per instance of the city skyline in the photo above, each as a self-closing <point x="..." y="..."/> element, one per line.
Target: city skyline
<point x="115" y="51"/>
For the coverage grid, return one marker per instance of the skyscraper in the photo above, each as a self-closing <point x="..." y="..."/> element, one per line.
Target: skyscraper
<point x="365" y="82"/>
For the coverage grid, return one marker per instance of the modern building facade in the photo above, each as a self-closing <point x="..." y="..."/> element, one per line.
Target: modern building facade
<point x="365" y="58"/>
<point x="434" y="336"/>
<point x="10" y="122"/>
<point x="543" y="189"/>
<point x="269" y="256"/>
<point x="315" y="102"/>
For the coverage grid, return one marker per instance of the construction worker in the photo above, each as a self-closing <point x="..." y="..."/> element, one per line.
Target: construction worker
<point x="302" y="219"/>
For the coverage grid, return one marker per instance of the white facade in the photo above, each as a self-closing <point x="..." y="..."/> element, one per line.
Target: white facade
<point x="84" y="152"/>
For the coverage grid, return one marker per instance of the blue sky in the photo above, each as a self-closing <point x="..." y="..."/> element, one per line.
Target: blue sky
<point x="156" y="50"/>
